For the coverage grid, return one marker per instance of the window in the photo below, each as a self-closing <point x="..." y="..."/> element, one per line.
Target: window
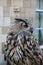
<point x="39" y="21"/>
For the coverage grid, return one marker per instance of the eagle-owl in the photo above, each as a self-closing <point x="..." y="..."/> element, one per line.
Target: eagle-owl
<point x="21" y="45"/>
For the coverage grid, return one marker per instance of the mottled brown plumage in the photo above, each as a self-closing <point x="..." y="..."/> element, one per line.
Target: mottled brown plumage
<point x="22" y="48"/>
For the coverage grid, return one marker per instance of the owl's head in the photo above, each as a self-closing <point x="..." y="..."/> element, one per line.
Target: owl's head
<point x="20" y="24"/>
<point x="24" y="24"/>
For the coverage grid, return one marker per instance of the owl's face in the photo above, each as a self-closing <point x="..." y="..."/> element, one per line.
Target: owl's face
<point x="21" y="25"/>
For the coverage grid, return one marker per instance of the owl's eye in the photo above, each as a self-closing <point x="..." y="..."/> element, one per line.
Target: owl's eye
<point x="25" y="26"/>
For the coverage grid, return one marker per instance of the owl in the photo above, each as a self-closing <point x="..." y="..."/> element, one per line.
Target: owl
<point x="22" y="47"/>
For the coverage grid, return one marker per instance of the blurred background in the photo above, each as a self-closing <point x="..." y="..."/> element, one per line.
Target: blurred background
<point x="30" y="9"/>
